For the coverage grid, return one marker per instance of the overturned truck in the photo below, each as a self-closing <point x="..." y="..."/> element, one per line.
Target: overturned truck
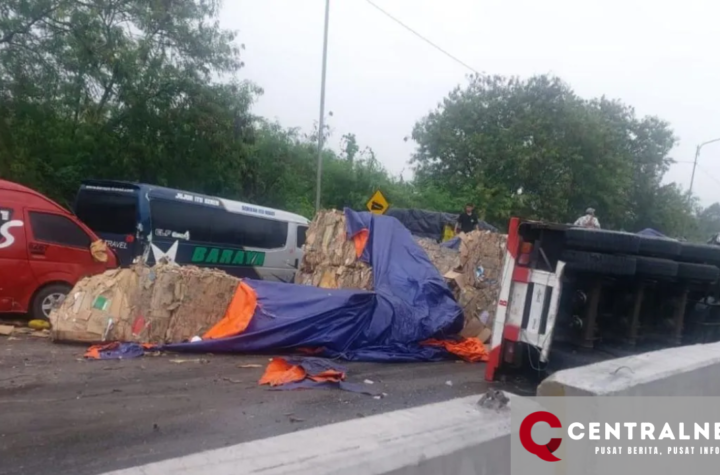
<point x="572" y="296"/>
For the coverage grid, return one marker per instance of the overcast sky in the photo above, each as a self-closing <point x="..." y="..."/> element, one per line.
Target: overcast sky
<point x="661" y="58"/>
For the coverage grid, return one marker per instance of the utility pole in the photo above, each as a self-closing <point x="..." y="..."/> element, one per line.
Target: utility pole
<point x="321" y="122"/>
<point x="697" y="155"/>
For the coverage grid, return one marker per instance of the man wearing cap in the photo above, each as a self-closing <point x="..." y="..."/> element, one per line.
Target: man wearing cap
<point x="589" y="220"/>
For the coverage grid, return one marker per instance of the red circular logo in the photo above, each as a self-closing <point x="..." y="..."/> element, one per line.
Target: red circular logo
<point x="545" y="452"/>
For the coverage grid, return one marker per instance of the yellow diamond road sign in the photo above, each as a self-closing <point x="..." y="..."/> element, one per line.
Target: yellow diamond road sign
<point x="378" y="204"/>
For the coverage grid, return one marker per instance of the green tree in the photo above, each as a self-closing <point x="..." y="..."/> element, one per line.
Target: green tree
<point x="534" y="148"/>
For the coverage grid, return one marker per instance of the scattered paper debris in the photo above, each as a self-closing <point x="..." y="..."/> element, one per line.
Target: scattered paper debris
<point x="369" y="381"/>
<point x="196" y="360"/>
<point x="6" y="330"/>
<point x="448" y="383"/>
<point x="249" y="365"/>
<point x="39" y="324"/>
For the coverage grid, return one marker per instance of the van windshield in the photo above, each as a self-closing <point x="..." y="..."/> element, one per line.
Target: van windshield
<point x="106" y="212"/>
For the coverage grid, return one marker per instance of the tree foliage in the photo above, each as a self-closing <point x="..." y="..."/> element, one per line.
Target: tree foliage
<point x="148" y="91"/>
<point x="533" y="148"/>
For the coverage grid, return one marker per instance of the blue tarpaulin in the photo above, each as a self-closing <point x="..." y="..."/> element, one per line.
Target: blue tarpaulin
<point x="410" y="303"/>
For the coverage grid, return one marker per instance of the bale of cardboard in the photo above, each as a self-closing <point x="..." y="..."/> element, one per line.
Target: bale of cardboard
<point x="329" y="257"/>
<point x="473" y="272"/>
<point x="166" y="303"/>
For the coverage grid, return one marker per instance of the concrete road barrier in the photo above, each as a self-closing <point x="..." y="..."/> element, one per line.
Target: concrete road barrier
<point x="452" y="437"/>
<point x="683" y="371"/>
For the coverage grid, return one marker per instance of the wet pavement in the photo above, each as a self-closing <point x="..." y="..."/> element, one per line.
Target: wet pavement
<point x="62" y="414"/>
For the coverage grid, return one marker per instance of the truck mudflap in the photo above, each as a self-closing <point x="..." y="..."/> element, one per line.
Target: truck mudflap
<point x="527" y="307"/>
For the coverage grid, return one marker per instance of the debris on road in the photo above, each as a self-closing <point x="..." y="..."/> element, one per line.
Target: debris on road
<point x="115" y="351"/>
<point x="471" y="264"/>
<point x="194" y="360"/>
<point x="250" y="365"/>
<point x="494" y="399"/>
<point x="39" y="324"/>
<point x="164" y="307"/>
<point x="308" y="373"/>
<point x="6" y="330"/>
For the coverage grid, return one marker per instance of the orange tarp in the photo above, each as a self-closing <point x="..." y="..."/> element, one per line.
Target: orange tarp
<point x="469" y="349"/>
<point x="280" y="372"/>
<point x="238" y="314"/>
<point x="360" y="240"/>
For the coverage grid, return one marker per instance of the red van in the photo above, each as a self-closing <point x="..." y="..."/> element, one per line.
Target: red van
<point x="44" y="251"/>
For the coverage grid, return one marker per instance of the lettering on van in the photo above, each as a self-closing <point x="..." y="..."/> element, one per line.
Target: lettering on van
<point x="197" y="199"/>
<point x="229" y="257"/>
<point x="7" y="223"/>
<point x="116" y="244"/>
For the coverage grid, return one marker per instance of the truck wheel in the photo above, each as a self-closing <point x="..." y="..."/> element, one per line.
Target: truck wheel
<point x="651" y="267"/>
<point x="659" y="247"/>
<point x="601" y="240"/>
<point x="697" y="272"/>
<point x="692" y="252"/>
<point x="48" y="298"/>
<point x="599" y="263"/>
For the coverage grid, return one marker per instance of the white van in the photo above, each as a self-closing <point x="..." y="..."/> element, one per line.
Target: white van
<point x="242" y="239"/>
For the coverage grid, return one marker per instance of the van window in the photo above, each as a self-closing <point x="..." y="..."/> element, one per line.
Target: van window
<point x="107" y="212"/>
<point x="217" y="225"/>
<point x="301" y="231"/>
<point x="56" y="229"/>
<point x="180" y="218"/>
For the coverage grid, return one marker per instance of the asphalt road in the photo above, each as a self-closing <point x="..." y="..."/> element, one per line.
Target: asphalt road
<point x="62" y="414"/>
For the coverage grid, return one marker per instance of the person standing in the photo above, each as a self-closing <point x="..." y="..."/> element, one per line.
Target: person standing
<point x="589" y="220"/>
<point x="467" y="221"/>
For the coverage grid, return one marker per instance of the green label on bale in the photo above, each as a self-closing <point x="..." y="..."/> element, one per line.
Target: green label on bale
<point x="228" y="257"/>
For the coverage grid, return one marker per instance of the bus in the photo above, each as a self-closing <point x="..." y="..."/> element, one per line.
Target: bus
<point x="148" y="222"/>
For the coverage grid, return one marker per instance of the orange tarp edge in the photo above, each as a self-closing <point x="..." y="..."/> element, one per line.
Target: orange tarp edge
<point x="280" y="372"/>
<point x="238" y="314"/>
<point x="360" y="240"/>
<point x="469" y="349"/>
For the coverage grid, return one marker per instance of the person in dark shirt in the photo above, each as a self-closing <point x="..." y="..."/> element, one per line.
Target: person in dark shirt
<point x="467" y="221"/>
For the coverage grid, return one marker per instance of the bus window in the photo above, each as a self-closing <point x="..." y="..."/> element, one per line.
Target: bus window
<point x="107" y="213"/>
<point x="170" y="217"/>
<point x="249" y="231"/>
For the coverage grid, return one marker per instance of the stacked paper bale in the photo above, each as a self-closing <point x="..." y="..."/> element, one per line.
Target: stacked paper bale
<point x="473" y="272"/>
<point x="443" y="258"/>
<point x="163" y="304"/>
<point x="329" y="257"/>
<point x="477" y="280"/>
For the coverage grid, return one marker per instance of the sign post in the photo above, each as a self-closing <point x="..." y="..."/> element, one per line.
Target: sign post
<point x="377" y="204"/>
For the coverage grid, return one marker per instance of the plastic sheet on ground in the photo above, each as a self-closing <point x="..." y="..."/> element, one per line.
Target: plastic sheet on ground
<point x="116" y="351"/>
<point x="286" y="374"/>
<point x="411" y="303"/>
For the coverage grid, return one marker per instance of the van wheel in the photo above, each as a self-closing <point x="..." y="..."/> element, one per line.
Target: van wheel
<point x="48" y="298"/>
